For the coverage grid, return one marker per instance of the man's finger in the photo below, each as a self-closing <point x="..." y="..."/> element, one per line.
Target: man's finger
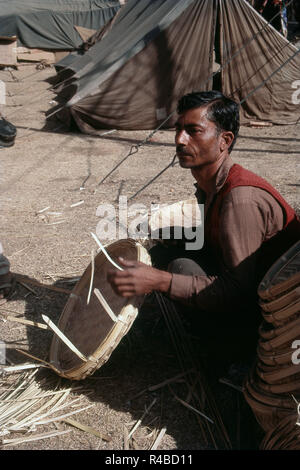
<point x="124" y="291"/>
<point x="128" y="263"/>
<point x="123" y="282"/>
<point x="112" y="275"/>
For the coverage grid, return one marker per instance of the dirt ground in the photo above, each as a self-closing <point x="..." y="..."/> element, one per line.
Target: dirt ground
<point x="42" y="176"/>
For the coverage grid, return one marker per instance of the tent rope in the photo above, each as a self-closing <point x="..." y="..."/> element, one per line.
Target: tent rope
<point x="171" y="164"/>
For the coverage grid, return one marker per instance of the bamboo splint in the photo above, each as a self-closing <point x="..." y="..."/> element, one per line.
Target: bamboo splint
<point x="64" y="338"/>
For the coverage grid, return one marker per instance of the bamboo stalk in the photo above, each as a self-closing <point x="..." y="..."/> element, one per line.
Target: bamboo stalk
<point x="63" y="338"/>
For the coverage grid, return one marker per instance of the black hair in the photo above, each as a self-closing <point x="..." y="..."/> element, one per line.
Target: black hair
<point x="221" y="110"/>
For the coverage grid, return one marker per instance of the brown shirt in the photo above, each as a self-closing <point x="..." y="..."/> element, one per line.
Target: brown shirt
<point x="249" y="216"/>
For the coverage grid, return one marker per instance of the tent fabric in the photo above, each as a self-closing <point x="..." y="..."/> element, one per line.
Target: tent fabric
<point x="158" y="50"/>
<point x="132" y="97"/>
<point x="50" y="24"/>
<point x="133" y="77"/>
<point x="256" y="63"/>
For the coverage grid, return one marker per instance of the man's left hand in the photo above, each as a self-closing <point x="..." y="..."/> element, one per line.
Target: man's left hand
<point x="137" y="279"/>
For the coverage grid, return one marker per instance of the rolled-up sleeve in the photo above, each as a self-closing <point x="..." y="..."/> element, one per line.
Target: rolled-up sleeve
<point x="248" y="217"/>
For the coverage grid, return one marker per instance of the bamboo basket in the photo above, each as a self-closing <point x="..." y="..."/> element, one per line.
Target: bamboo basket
<point x="275" y="379"/>
<point x="97" y="327"/>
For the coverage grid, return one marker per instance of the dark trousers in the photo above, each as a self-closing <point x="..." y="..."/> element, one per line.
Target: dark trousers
<point x="231" y="334"/>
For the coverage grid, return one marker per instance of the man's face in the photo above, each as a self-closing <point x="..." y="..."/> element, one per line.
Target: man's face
<point x="197" y="139"/>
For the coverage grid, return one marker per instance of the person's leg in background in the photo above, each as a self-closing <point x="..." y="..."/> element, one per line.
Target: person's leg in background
<point x="5" y="275"/>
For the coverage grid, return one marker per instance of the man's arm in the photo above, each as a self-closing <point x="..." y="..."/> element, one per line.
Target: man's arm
<point x="249" y="216"/>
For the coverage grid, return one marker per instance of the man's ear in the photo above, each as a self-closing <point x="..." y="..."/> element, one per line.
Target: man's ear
<point x="227" y="138"/>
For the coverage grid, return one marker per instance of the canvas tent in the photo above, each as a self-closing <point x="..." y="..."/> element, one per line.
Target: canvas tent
<point x="50" y="24"/>
<point x="158" y="50"/>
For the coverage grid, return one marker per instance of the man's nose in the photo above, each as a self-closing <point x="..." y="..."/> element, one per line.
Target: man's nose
<point x="181" y="137"/>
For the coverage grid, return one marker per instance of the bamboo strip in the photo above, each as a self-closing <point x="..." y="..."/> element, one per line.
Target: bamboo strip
<point x="126" y="440"/>
<point x="134" y="444"/>
<point x="22" y="382"/>
<point x="230" y="384"/>
<point x="34" y="357"/>
<point x="43" y="210"/>
<point x="76" y="204"/>
<point x="168" y="381"/>
<point x="44" y="395"/>
<point x="27" y="322"/>
<point x="60" y="418"/>
<point x="9" y="413"/>
<point x="46" y="435"/>
<point x="138" y="423"/>
<point x="63" y="338"/>
<point x="39" y="284"/>
<point x="193" y="409"/>
<point x="27" y="287"/>
<point x="87" y="429"/>
<point x="106" y="306"/>
<point x="29" y="421"/>
<point x="158" y="439"/>
<point x="105" y="252"/>
<point x="27" y="394"/>
<point x="20" y="367"/>
<point x="92" y="277"/>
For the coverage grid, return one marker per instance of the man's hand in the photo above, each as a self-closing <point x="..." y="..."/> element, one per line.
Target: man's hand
<point x="138" y="279"/>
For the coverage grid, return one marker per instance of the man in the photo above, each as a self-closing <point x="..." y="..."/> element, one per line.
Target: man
<point x="247" y="224"/>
